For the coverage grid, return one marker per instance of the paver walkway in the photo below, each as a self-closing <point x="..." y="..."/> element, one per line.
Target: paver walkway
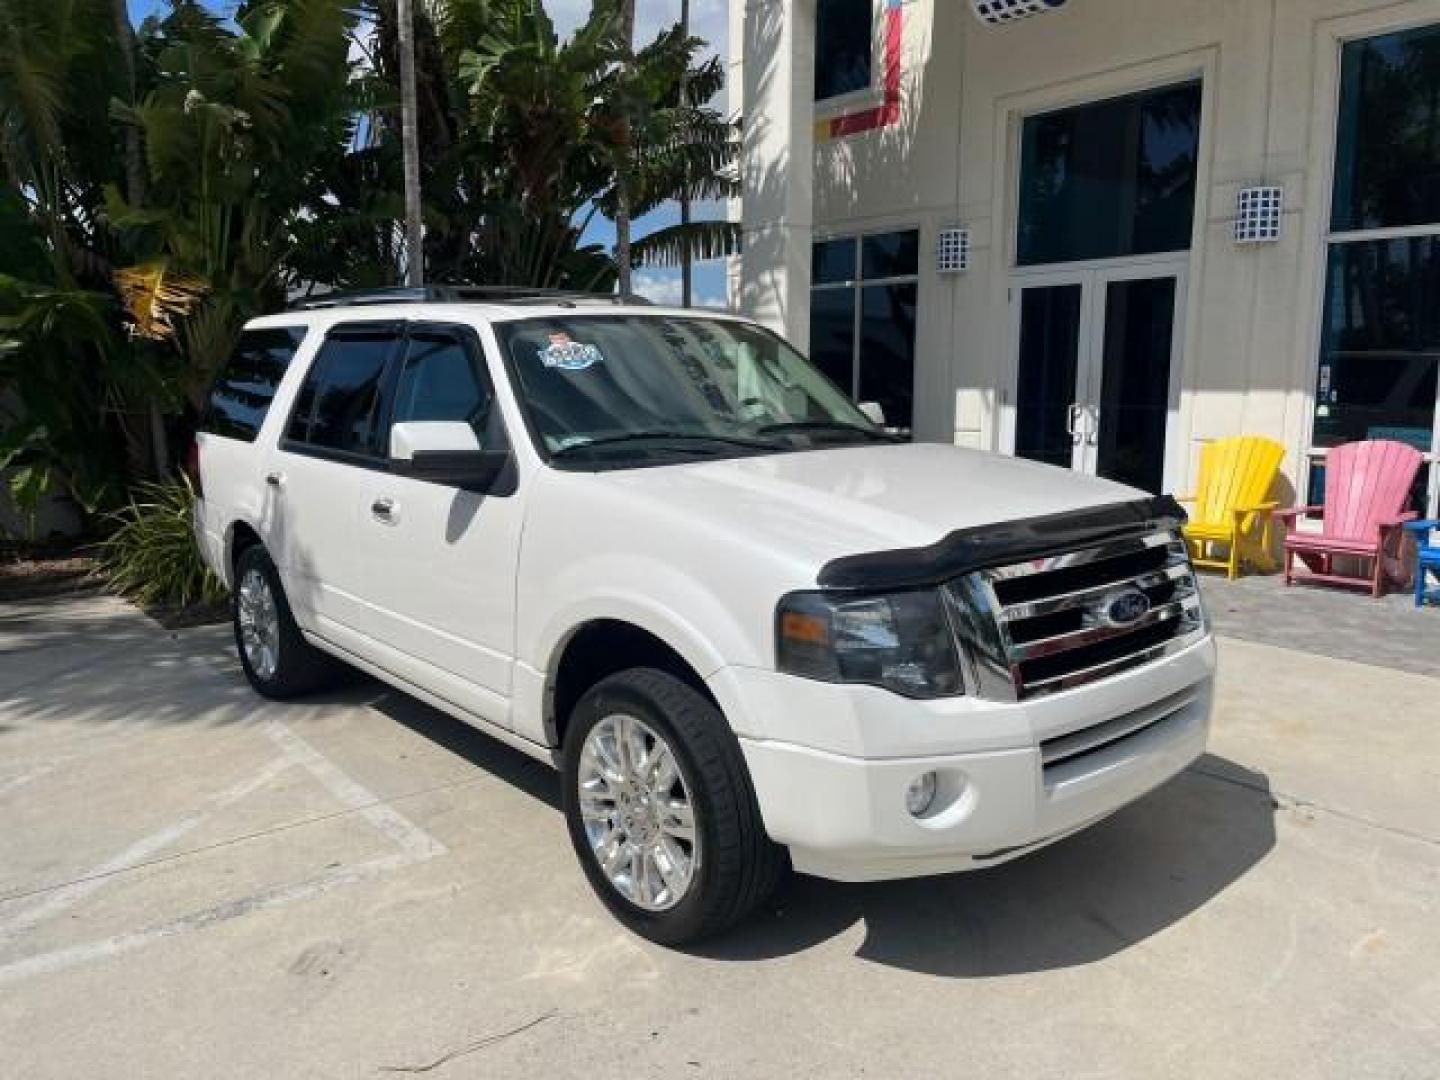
<point x="1389" y="632"/>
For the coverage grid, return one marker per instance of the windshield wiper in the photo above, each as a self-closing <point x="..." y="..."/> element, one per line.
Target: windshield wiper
<point x="840" y="427"/>
<point x="683" y="441"/>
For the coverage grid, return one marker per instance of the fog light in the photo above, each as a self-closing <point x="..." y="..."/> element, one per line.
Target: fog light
<point x="920" y="795"/>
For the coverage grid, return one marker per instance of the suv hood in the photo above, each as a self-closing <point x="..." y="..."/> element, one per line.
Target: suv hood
<point x="818" y="505"/>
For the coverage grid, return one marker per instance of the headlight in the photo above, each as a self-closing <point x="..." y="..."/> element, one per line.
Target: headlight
<point x="900" y="641"/>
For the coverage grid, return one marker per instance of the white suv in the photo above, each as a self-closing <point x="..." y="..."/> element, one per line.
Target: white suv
<point x="660" y="550"/>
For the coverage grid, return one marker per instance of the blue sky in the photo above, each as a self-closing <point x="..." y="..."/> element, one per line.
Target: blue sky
<point x="708" y="20"/>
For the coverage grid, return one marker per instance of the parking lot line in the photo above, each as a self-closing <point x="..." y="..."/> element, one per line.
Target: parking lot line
<point x="414" y="844"/>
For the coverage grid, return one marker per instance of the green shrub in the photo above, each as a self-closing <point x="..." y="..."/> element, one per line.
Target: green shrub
<point x="151" y="556"/>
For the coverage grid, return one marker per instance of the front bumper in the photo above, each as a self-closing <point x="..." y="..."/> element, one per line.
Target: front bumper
<point x="843" y="816"/>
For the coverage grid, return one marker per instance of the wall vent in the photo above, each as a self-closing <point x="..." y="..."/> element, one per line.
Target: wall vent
<point x="1004" y="11"/>
<point x="1258" y="212"/>
<point x="952" y="251"/>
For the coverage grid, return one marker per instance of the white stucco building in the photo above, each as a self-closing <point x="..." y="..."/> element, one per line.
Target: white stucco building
<point x="1089" y="160"/>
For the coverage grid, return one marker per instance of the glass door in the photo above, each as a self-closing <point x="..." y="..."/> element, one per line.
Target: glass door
<point x="1096" y="355"/>
<point x="1052" y="337"/>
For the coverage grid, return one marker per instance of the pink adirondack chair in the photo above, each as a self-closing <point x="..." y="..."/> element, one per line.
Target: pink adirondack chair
<point x="1366" y="486"/>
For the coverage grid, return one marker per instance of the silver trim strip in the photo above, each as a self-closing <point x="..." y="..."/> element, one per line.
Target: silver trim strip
<point x="1117" y="549"/>
<point x="1179" y="571"/>
<point x="1063" y="748"/>
<point x="1095" y="635"/>
<point x="1099" y="671"/>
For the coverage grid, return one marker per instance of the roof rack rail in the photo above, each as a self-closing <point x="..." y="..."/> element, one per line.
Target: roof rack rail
<point x="459" y="294"/>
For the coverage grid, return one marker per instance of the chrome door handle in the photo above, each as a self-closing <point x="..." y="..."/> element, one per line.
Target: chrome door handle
<point x="384" y="510"/>
<point x="1072" y="424"/>
<point x="275" y="479"/>
<point x="1092" y="434"/>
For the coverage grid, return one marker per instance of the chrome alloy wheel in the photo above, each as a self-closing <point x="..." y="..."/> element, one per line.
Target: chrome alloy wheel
<point x="638" y="813"/>
<point x="259" y="623"/>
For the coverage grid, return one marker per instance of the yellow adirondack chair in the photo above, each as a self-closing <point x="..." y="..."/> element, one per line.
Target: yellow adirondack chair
<point x="1231" y="513"/>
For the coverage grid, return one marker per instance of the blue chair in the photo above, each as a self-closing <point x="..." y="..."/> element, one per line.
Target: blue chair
<point x="1427" y="560"/>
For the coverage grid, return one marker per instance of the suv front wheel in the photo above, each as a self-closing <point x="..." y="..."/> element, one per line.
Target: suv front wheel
<point x="661" y="811"/>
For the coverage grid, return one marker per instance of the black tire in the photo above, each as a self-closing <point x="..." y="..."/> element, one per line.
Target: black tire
<point x="300" y="667"/>
<point x="739" y="865"/>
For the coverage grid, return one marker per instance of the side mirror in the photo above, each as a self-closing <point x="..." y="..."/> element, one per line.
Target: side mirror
<point x="444" y="452"/>
<point x="873" y="412"/>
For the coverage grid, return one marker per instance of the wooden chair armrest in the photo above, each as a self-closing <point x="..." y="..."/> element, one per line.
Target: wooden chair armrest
<point x="1297" y="511"/>
<point x="1400" y="520"/>
<point x="1258" y="508"/>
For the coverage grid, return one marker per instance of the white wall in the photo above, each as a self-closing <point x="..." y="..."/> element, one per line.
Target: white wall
<point x="1270" y="69"/>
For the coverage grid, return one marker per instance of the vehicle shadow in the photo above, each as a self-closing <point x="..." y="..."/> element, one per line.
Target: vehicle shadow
<point x="533" y="778"/>
<point x="1096" y="894"/>
<point x="1084" y="899"/>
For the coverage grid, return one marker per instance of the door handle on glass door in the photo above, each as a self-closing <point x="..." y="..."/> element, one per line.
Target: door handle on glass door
<point x="1092" y="433"/>
<point x="1073" y="422"/>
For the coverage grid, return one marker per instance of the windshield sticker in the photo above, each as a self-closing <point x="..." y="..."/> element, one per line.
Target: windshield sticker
<point x="568" y="355"/>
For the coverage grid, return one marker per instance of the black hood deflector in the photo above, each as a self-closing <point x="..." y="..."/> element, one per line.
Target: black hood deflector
<point x="1000" y="544"/>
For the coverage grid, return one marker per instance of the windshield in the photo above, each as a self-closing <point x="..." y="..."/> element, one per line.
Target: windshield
<point x="630" y="389"/>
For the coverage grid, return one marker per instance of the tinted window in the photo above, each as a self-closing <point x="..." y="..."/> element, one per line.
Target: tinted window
<point x="340" y="404"/>
<point x="1387" y="167"/>
<point x="843" y="48"/>
<point x="1381" y="342"/>
<point x="832" y="335"/>
<point x="833" y="261"/>
<point x="241" y="396"/>
<point x="887" y="350"/>
<point x="891" y="255"/>
<point x="1111" y="179"/>
<point x="440" y="382"/>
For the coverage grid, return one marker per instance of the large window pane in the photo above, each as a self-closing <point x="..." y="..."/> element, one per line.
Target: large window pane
<point x="843" y="49"/>
<point x="832" y="335"/>
<point x="1110" y="179"/>
<point x="1387" y="167"/>
<point x="1135" y="402"/>
<point x="1381" y="342"/>
<point x="1049" y="363"/>
<point x="889" y="255"/>
<point x="887" y="351"/>
<point x="833" y="261"/>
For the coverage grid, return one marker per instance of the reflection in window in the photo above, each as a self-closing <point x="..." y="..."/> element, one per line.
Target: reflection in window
<point x="1387" y="168"/>
<point x="341" y="397"/>
<point x="862" y="318"/>
<point x="1380" y="342"/>
<point x="1380" y="346"/>
<point x="843" y="46"/>
<point x="242" y="393"/>
<point x="1110" y="179"/>
<point x="439" y="382"/>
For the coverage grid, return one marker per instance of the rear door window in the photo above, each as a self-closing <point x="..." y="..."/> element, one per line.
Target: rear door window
<point x="241" y="395"/>
<point x="342" y="402"/>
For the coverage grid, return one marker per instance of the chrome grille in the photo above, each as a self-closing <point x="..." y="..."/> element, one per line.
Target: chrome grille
<point x="1045" y="625"/>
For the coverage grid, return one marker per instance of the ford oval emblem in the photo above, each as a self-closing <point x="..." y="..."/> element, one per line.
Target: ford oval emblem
<point x="1125" y="607"/>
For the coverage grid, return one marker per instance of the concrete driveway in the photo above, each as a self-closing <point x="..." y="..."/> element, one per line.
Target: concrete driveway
<point x="194" y="883"/>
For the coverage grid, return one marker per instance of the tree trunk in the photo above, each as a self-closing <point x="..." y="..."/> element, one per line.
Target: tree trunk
<point x="685" y="259"/>
<point x="410" y="145"/>
<point x="134" y="152"/>
<point x="624" y="166"/>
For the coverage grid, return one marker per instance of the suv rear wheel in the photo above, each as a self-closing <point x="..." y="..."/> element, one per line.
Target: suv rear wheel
<point x="661" y="811"/>
<point x="275" y="656"/>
